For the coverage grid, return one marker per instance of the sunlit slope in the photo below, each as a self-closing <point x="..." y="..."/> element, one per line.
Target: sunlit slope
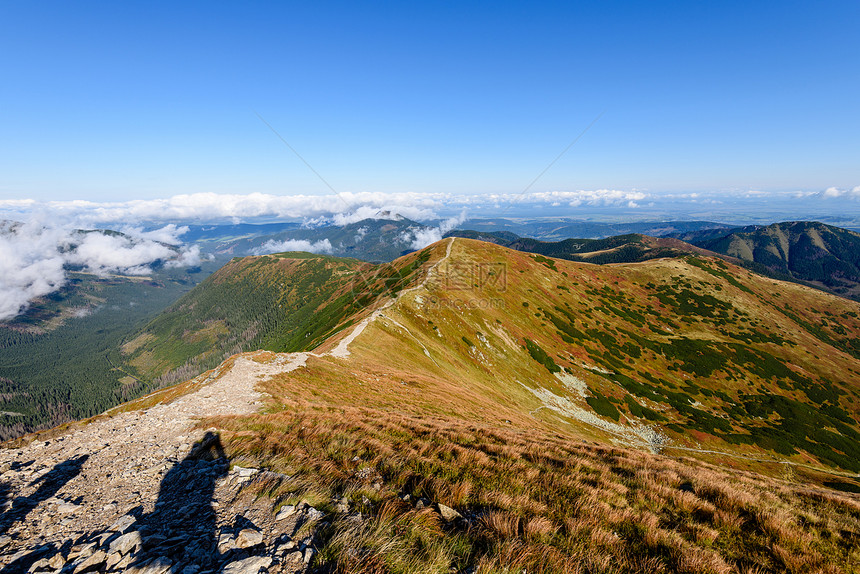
<point x="673" y="353"/>
<point x="250" y="303"/>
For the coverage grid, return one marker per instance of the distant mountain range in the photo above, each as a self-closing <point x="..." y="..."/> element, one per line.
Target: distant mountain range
<point x="618" y="249"/>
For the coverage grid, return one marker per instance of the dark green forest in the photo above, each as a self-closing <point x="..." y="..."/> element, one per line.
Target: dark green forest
<point x="70" y="372"/>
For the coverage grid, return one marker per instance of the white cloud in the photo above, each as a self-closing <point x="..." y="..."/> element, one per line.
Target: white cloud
<point x="602" y="197"/>
<point x="30" y="266"/>
<point x="419" y="238"/>
<point x="272" y="246"/>
<point x="341" y="209"/>
<point x="169" y="234"/>
<point x="835" y="192"/>
<point x="102" y="253"/>
<point x="34" y="257"/>
<point x="187" y="257"/>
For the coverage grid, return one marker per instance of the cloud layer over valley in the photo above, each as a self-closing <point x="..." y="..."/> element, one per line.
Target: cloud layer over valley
<point x="348" y="207"/>
<point x="35" y="259"/>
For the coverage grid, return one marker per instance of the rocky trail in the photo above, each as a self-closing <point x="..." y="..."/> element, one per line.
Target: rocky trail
<point x="147" y="492"/>
<point x="143" y="491"/>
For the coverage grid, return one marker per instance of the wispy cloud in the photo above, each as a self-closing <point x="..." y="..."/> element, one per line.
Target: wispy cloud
<point x="835" y="192"/>
<point x="419" y="238"/>
<point x="272" y="246"/>
<point x="343" y="209"/>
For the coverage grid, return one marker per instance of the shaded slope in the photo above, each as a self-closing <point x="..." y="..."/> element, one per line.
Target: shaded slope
<point x="826" y="256"/>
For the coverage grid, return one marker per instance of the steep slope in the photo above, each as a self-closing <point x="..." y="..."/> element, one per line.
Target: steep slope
<point x="479" y="413"/>
<point x="826" y="256"/>
<point x="689" y="352"/>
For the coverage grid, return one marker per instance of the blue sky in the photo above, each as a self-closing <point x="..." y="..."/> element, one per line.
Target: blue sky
<point x="125" y="100"/>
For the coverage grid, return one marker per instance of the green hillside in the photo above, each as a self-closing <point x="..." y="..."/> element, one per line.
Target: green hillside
<point x="282" y="302"/>
<point x="59" y="360"/>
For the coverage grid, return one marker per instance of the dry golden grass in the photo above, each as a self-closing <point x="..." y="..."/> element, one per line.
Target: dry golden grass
<point x="535" y="501"/>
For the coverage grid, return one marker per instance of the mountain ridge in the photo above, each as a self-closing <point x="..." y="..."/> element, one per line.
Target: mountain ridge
<point x="464" y="429"/>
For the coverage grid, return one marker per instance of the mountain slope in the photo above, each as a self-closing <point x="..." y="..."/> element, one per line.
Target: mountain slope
<point x="375" y="239"/>
<point x="480" y="411"/>
<point x="826" y="256"/>
<point x="667" y="349"/>
<point x="282" y="302"/>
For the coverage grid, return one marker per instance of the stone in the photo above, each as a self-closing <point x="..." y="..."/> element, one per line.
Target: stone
<point x="82" y="551"/>
<point x="67" y="507"/>
<point x="309" y="554"/>
<point x="123" y="523"/>
<point x="245" y="472"/>
<point x="112" y="560"/>
<point x="285" y="512"/>
<point x="449" y="513"/>
<point x="250" y="565"/>
<point x="226" y="542"/>
<point x="38" y="565"/>
<point x="285" y="547"/>
<point x="56" y="561"/>
<point x="248" y="538"/>
<point x="123" y="564"/>
<point x="314" y="514"/>
<point x="126" y="543"/>
<point x="158" y="566"/>
<point x="93" y="562"/>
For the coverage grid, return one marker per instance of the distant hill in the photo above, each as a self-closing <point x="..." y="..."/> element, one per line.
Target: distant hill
<point x="618" y="249"/>
<point x="825" y="256"/>
<point x="564" y="228"/>
<point x="373" y="239"/>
